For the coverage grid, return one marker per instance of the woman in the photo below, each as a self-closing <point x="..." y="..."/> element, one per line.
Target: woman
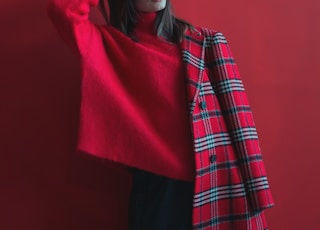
<point x="166" y="99"/>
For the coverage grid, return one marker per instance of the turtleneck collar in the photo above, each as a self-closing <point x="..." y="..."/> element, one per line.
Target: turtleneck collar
<point x="146" y="22"/>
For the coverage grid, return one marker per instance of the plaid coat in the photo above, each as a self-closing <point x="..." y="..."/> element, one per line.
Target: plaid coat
<point x="231" y="187"/>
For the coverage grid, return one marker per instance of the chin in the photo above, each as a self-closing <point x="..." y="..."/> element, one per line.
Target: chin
<point x="160" y="8"/>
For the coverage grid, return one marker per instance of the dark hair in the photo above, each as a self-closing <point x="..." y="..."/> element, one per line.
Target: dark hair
<point x="122" y="15"/>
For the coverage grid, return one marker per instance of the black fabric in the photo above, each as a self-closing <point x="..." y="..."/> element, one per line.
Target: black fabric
<point x="160" y="203"/>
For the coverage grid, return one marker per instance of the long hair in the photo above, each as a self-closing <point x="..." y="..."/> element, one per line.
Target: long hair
<point x="122" y="15"/>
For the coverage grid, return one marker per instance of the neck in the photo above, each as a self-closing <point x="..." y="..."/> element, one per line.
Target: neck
<point x="146" y="22"/>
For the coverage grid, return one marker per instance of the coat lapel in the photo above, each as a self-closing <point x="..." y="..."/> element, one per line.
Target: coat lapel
<point x="193" y="50"/>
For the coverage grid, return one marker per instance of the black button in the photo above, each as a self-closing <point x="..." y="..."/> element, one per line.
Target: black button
<point x="203" y="105"/>
<point x="213" y="158"/>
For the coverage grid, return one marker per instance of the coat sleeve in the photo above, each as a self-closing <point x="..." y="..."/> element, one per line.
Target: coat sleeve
<point x="71" y="19"/>
<point x="236" y="110"/>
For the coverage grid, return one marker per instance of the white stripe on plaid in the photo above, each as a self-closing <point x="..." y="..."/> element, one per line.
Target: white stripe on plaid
<point x="216" y="39"/>
<point x="206" y="89"/>
<point x="257" y="184"/>
<point x="216" y="193"/>
<point x="245" y="133"/>
<point x="195" y="61"/>
<point x="211" y="141"/>
<point x="230" y="85"/>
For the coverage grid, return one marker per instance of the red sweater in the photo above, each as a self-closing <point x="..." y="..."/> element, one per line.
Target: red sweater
<point x="139" y="98"/>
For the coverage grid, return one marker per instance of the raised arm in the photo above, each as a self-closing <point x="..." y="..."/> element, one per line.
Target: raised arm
<point x="71" y="19"/>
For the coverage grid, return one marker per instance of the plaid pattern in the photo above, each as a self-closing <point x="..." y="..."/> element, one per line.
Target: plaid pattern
<point x="231" y="187"/>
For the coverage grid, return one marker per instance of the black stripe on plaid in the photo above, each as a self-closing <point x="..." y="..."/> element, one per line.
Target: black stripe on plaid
<point x="211" y="141"/>
<point x="206" y="89"/>
<point x="196" y="85"/>
<point x="251" y="158"/>
<point x="193" y="40"/>
<point x="220" y="62"/>
<point x="214" y="113"/>
<point x="229" y="218"/>
<point x="191" y="107"/>
<point x="193" y="60"/>
<point x="237" y="109"/>
<point x="230" y="85"/>
<point x="257" y="184"/>
<point x="216" y="39"/>
<point x="193" y="83"/>
<point x="217" y="166"/>
<point x="211" y="113"/>
<point x="245" y="133"/>
<point x="218" y="193"/>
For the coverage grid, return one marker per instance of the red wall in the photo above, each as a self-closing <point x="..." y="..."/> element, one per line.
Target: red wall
<point x="45" y="185"/>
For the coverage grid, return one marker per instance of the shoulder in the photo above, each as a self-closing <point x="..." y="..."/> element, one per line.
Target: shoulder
<point x="211" y="36"/>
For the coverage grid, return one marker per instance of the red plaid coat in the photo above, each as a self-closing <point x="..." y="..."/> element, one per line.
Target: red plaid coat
<point x="231" y="187"/>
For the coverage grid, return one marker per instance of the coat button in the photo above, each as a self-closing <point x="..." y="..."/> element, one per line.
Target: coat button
<point x="213" y="158"/>
<point x="203" y="105"/>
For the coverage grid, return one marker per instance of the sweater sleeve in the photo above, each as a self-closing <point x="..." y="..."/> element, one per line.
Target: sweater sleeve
<point x="71" y="19"/>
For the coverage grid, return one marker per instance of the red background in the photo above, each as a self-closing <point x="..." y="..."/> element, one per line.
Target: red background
<point x="45" y="185"/>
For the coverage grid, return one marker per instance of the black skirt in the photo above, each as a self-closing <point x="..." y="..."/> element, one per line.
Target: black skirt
<point x="160" y="203"/>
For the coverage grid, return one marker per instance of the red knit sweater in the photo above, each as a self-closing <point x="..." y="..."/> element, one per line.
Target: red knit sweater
<point x="140" y="98"/>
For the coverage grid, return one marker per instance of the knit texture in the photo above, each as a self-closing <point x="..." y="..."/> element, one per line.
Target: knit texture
<point x="135" y="107"/>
